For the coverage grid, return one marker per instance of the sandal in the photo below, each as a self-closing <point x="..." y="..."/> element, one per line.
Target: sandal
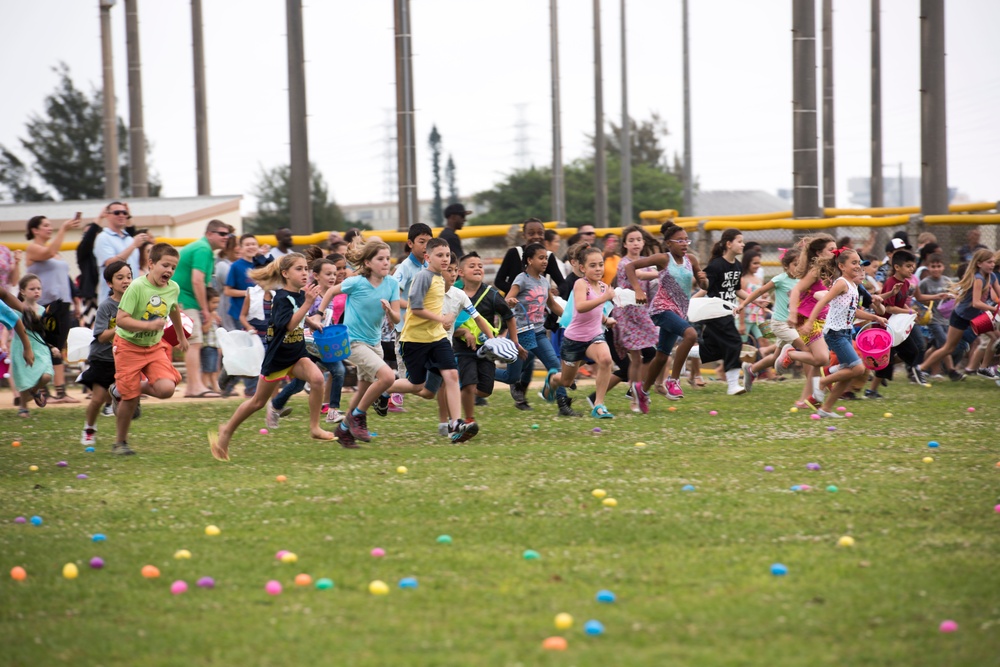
<point x="41" y="397"/>
<point x="23" y="412"/>
<point x="696" y="381"/>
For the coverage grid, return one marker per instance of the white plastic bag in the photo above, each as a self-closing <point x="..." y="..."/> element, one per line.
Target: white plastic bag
<point x="900" y="325"/>
<point x="624" y="297"/>
<point x="708" y="308"/>
<point x="78" y="344"/>
<point x="242" y="352"/>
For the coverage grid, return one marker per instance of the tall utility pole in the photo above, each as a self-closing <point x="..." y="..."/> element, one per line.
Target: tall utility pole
<point x="136" y="132"/>
<point x="626" y="138"/>
<point x="805" y="200"/>
<point x="299" y="197"/>
<point x="200" y="102"/>
<point x="112" y="181"/>
<point x="877" y="199"/>
<point x="829" y="156"/>
<point x="600" y="164"/>
<point x="933" y="138"/>
<point x="688" y="169"/>
<point x="558" y="184"/>
<point x="409" y="211"/>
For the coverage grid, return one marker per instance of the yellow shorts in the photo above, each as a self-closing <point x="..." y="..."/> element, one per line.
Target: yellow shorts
<point x="817" y="332"/>
<point x="278" y="376"/>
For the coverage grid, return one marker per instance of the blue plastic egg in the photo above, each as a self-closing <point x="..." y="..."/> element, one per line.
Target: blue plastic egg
<point x="593" y="628"/>
<point x="36" y="520"/>
<point x="605" y="596"/>
<point x="408" y="582"/>
<point x="779" y="570"/>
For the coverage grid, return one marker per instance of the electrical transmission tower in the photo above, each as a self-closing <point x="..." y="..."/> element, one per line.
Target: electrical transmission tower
<point x="522" y="152"/>
<point x="389" y="169"/>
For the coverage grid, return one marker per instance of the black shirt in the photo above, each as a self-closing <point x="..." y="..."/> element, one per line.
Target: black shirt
<point x="489" y="307"/>
<point x="455" y="243"/>
<point x="284" y="348"/>
<point x="513" y="264"/>
<point x="723" y="278"/>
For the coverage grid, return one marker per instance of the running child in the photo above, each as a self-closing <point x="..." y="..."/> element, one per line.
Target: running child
<point x="721" y="339"/>
<point x="138" y="345"/>
<point x="416" y="241"/>
<point x="100" y="373"/>
<point x="678" y="273"/>
<point x="285" y="355"/>
<point x="634" y="331"/>
<point x="30" y="358"/>
<point x="584" y="336"/>
<point x="210" y="342"/>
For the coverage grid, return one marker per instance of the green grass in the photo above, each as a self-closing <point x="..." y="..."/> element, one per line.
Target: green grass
<point x="690" y="569"/>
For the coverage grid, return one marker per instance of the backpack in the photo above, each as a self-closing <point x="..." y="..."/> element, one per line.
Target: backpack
<point x="471" y="324"/>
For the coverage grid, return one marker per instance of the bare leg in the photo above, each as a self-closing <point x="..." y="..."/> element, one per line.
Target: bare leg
<point x="450" y="388"/>
<point x="220" y="448"/>
<point x="601" y="355"/>
<point x="842" y="380"/>
<point x="469" y="402"/>
<point x="954" y="336"/>
<point x="98" y="397"/>
<point x="688" y="339"/>
<point x="656" y="367"/>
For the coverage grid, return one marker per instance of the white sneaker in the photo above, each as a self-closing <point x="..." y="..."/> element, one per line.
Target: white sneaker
<point x="88" y="437"/>
<point x="271" y="417"/>
<point x="334" y="416"/>
<point x="736" y="390"/>
<point x="828" y="415"/>
<point x="443" y="430"/>
<point x="106" y="411"/>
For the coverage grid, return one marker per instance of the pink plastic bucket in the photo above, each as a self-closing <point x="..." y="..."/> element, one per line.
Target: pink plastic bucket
<point x="874" y="346"/>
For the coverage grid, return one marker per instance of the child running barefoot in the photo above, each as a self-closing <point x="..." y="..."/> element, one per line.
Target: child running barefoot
<point x="11" y="318"/>
<point x="31" y="380"/>
<point x="679" y="271"/>
<point x="100" y="373"/>
<point x="286" y="354"/>
<point x="584" y="336"/>
<point x="371" y="285"/>
<point x="721" y="339"/>
<point x="841" y="304"/>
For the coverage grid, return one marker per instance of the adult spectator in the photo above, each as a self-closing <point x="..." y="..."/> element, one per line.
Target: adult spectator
<point x="284" y="238"/>
<point x="44" y="261"/>
<point x="114" y="244"/>
<point x="513" y="262"/>
<point x="454" y="219"/>
<point x="587" y="234"/>
<point x="195" y="269"/>
<point x="972" y="244"/>
<point x="86" y="281"/>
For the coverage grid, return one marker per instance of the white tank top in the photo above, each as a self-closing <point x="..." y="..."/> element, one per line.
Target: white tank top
<point x="842" y="308"/>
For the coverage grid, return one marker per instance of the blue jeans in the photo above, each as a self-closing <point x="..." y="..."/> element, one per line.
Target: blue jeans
<point x="672" y="326"/>
<point x="543" y="351"/>
<point x="336" y="369"/>
<point x="840" y="343"/>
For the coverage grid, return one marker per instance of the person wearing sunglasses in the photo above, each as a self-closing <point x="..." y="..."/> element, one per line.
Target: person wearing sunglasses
<point x="114" y="244"/>
<point x="195" y="269"/>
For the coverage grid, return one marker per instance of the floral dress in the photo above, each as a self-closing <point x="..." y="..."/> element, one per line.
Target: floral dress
<point x="633" y="328"/>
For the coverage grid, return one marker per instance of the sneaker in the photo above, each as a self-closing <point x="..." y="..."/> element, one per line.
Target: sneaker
<point x="464" y="431"/>
<point x="783" y="362"/>
<point x="517" y="393"/>
<point x="848" y="396"/>
<point x="334" y="416"/>
<point x="345" y="438"/>
<point x="284" y="412"/>
<point x="601" y="412"/>
<point x="395" y="408"/>
<point x="324" y="408"/>
<point x="748" y="377"/>
<point x="819" y="395"/>
<point x="736" y="390"/>
<point x="445" y="430"/>
<point x="674" y="391"/>
<point x="828" y="415"/>
<point x="271" y="416"/>
<point x="88" y="437"/>
<point x="396" y="399"/>
<point x="956" y="375"/>
<point x="814" y="404"/>
<point x="381" y="408"/>
<point x="628" y="393"/>
<point x="107" y="411"/>
<point x="916" y="375"/>
<point x="115" y="399"/>
<point x="358" y="424"/>
<point x="566" y="407"/>
<point x="872" y="394"/>
<point x="987" y="373"/>
<point x="633" y="405"/>
<point x="122" y="449"/>
<point x="641" y="397"/>
<point x="523" y="406"/>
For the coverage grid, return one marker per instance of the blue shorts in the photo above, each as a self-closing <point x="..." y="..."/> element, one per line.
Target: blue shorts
<point x="209" y="360"/>
<point x="672" y="326"/>
<point x="575" y="351"/>
<point x="841" y="343"/>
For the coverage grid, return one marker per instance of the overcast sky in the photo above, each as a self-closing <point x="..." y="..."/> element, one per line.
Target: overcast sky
<point x="476" y="60"/>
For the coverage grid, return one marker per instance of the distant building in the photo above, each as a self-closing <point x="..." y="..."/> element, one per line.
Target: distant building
<point x="385" y="215"/>
<point x="896" y="191"/>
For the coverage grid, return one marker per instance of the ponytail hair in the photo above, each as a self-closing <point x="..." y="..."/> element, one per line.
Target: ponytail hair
<point x="269" y="276"/>
<point x="531" y="251"/>
<point x="830" y="270"/>
<point x="728" y="237"/>
<point x="969" y="277"/>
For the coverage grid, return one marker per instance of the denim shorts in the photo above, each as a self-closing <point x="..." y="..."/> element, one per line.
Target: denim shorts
<point x="841" y="343"/>
<point x="209" y="360"/>
<point x="575" y="351"/>
<point x="672" y="326"/>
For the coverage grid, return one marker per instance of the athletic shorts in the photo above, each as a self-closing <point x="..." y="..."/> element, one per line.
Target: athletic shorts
<point x="278" y="375"/>
<point x="419" y="358"/>
<point x="474" y="370"/>
<point x="196" y="335"/>
<point x="367" y="359"/>
<point x="133" y="361"/>
<point x="958" y="322"/>
<point x="783" y="332"/>
<point x="99" y="373"/>
<point x="574" y="352"/>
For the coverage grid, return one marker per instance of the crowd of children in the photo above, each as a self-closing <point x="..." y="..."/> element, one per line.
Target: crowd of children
<point x="432" y="329"/>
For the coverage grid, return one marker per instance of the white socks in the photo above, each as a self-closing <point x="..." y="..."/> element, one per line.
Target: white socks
<point x="733" y="377"/>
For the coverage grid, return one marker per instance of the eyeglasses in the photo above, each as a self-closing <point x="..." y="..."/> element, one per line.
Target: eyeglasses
<point x="680" y="241"/>
<point x="118" y="212"/>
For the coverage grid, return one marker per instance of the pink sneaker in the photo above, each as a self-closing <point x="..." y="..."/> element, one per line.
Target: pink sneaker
<point x="395" y="408"/>
<point x="642" y="397"/>
<point x="396" y="399"/>
<point x="674" y="391"/>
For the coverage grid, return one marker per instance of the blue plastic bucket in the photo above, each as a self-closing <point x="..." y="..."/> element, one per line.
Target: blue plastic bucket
<point x="333" y="342"/>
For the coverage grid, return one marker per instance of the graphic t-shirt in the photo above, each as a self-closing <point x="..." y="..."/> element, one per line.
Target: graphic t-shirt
<point x="723" y="278"/>
<point x="934" y="286"/>
<point x="284" y="347"/>
<point x="532" y="294"/>
<point x="147" y="302"/>
<point x="195" y="256"/>
<point x="238" y="278"/>
<point x="363" y="314"/>
<point x="488" y="306"/>
<point x="426" y="293"/>
<point x="106" y="318"/>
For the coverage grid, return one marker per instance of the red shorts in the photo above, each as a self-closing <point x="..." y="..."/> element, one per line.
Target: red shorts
<point x="133" y="361"/>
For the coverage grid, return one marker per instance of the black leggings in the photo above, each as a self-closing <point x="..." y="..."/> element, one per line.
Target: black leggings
<point x="721" y="340"/>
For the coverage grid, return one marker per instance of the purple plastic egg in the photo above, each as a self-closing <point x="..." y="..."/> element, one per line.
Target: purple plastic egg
<point x="97" y="562"/>
<point x="81" y="476"/>
<point x="20" y="519"/>
<point x="768" y="468"/>
<point x="62" y="464"/>
<point x="206" y="582"/>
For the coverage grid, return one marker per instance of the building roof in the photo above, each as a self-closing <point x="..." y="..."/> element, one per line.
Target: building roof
<point x="737" y="202"/>
<point x="148" y="211"/>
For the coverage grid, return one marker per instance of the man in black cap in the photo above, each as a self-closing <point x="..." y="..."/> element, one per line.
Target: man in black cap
<point x="454" y="217"/>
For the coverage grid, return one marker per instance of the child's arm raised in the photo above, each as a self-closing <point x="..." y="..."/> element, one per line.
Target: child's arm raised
<point x="311" y="293"/>
<point x="583" y="304"/>
<point x="328" y="297"/>
<point x="632" y="273"/>
<point x="793" y="297"/>
<point x="756" y="294"/>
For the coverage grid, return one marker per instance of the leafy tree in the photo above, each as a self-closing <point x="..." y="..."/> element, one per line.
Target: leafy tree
<point x="273" y="209"/>
<point x="449" y="176"/>
<point x="437" y="209"/>
<point x="66" y="145"/>
<point x="645" y="138"/>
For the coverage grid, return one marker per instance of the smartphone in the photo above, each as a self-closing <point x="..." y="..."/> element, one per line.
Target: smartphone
<point x="79" y="215"/>
<point x="141" y="231"/>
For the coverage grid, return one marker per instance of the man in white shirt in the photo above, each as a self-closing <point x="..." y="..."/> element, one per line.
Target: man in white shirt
<point x="113" y="244"/>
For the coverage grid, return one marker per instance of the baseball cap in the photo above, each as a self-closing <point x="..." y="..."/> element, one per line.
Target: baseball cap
<point x="456" y="209"/>
<point x="897" y="244"/>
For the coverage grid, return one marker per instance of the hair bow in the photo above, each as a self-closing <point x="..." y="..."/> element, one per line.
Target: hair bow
<point x="781" y="252"/>
<point x="836" y="253"/>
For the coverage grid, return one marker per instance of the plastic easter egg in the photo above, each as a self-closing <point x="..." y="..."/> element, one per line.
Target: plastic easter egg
<point x="303" y="579"/>
<point x="36" y="520"/>
<point x="554" y="644"/>
<point x="378" y="587"/>
<point x="845" y="541"/>
<point x="206" y="582"/>
<point x="89" y="450"/>
<point x="16" y="443"/>
<point x="609" y="502"/>
<point x="33" y="468"/>
<point x="289" y="557"/>
<point x="150" y="571"/>
<point x="18" y="573"/>
<point x="848" y="414"/>
<point x="796" y="488"/>
<point x="599" y="493"/>
<point x="605" y="596"/>
<point x="841" y="408"/>
<point x="671" y="409"/>
<point x="531" y="554"/>
<point x="96" y="563"/>
<point x="20" y="519"/>
<point x="996" y="509"/>
<point x="687" y="487"/>
<point x="640" y="444"/>
<point x="768" y="468"/>
<point x="378" y="552"/>
<point x="99" y="537"/>
<point x="263" y="431"/>
<point x="948" y="626"/>
<point x="280" y="478"/>
<point x="273" y="587"/>
<point x="324" y="584"/>
<point x="805" y="487"/>
<point x="62" y="464"/>
<point x="402" y="470"/>
<point x="534" y="427"/>
<point x="596" y="429"/>
<point x="928" y="459"/>
<point x="831" y="428"/>
<point x="178" y="587"/>
<point x="779" y="570"/>
<point x="70" y="571"/>
<point x="933" y="444"/>
<point x="832" y="489"/>
<point x="887" y="415"/>
<point x="814" y="416"/>
<point x="593" y="628"/>
<point x="444" y="539"/>
<point x="793" y="409"/>
<point x="182" y="554"/>
<point x="812" y="466"/>
<point x="563" y="621"/>
<point x="971" y="409"/>
<point x="408" y="582"/>
<point x="281" y="553"/>
<point x="212" y="531"/>
<point x="713" y="412"/>
<point x="81" y="476"/>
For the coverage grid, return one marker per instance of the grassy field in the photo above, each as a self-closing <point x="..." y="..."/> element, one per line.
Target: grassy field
<point x="690" y="569"/>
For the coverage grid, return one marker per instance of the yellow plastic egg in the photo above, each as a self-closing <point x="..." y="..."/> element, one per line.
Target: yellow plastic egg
<point x="70" y="571"/>
<point x="378" y="587"/>
<point x="609" y="502"/>
<point x="598" y="493"/>
<point x="564" y="621"/>
<point x="212" y="531"/>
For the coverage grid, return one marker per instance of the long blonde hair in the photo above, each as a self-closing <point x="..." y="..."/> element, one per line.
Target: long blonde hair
<point x="269" y="276"/>
<point x="359" y="253"/>
<point x="965" y="284"/>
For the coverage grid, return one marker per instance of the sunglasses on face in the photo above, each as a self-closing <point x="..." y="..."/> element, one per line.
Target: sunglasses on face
<point x="118" y="212"/>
